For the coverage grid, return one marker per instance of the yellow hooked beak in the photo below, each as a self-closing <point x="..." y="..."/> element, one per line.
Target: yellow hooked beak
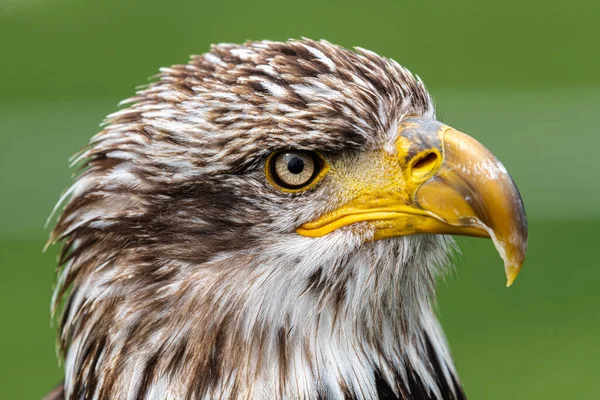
<point x="438" y="180"/>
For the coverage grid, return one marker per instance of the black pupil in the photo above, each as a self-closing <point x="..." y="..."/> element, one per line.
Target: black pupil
<point x="295" y="165"/>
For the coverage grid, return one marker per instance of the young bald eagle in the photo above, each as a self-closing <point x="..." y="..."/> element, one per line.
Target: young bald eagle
<point x="267" y="222"/>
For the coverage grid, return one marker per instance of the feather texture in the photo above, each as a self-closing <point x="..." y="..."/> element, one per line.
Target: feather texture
<point x="181" y="274"/>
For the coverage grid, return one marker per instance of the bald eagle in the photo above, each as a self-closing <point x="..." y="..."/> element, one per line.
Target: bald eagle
<point x="267" y="222"/>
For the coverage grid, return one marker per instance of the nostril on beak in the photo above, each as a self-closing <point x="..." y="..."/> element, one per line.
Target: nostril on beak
<point x="425" y="164"/>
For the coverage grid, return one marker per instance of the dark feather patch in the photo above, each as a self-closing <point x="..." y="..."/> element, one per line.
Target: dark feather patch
<point x="414" y="389"/>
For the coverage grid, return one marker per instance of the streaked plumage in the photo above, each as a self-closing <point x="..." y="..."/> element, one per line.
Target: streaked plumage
<point x="182" y="274"/>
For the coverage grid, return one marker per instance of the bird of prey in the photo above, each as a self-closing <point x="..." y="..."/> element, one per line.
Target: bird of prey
<point x="267" y="221"/>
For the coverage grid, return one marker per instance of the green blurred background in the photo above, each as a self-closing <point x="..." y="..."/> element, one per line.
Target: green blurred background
<point x="521" y="76"/>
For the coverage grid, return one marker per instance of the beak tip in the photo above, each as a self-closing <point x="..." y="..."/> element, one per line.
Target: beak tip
<point x="511" y="274"/>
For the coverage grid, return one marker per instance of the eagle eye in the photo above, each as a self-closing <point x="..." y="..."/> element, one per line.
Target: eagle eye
<point x="294" y="170"/>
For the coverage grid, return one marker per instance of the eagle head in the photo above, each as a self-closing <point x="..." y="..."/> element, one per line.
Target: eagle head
<point x="267" y="222"/>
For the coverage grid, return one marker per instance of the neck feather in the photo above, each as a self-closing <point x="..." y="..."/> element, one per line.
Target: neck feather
<point x="293" y="320"/>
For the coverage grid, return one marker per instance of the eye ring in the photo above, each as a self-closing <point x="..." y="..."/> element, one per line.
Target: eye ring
<point x="295" y="170"/>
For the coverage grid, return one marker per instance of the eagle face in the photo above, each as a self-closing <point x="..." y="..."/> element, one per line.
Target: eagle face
<point x="267" y="221"/>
